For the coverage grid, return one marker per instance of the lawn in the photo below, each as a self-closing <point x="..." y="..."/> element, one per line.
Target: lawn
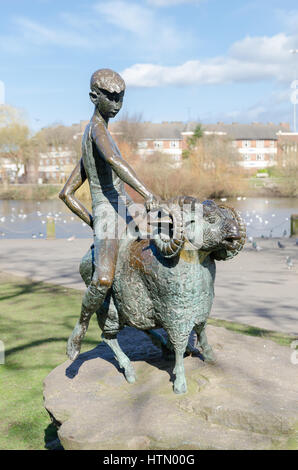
<point x="36" y="320"/>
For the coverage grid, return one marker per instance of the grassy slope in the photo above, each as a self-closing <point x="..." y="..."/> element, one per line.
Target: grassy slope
<point x="36" y="320"/>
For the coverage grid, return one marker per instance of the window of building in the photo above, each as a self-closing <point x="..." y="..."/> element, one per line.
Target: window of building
<point x="246" y="156"/>
<point x="142" y="144"/>
<point x="272" y="143"/>
<point x="158" y="144"/>
<point x="260" y="157"/>
<point x="246" y="143"/>
<point x="174" y="144"/>
<point x="260" y="143"/>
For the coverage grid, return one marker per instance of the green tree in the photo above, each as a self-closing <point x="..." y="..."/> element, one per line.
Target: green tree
<point x="192" y="142"/>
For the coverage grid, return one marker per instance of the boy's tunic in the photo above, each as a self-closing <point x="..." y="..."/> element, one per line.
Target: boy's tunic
<point x="109" y="198"/>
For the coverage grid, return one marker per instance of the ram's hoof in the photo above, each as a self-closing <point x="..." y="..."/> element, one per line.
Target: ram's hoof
<point x="209" y="356"/>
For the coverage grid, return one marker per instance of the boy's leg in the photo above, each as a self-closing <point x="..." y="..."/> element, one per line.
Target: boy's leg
<point x="105" y="258"/>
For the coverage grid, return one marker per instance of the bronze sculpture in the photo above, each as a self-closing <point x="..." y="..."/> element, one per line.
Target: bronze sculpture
<point x="161" y="273"/>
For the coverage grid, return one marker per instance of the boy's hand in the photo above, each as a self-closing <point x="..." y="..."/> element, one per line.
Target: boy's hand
<point x="152" y="203"/>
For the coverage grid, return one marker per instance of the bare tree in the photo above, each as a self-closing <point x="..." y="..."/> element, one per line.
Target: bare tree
<point x="59" y="136"/>
<point x="130" y="129"/>
<point x="287" y="167"/>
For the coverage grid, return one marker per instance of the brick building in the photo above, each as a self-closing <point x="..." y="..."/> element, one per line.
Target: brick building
<point x="257" y="143"/>
<point x="56" y="165"/>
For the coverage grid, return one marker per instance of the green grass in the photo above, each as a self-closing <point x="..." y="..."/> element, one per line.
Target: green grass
<point x="280" y="338"/>
<point x="36" y="320"/>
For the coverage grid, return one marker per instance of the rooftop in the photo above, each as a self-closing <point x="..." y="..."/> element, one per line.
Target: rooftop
<point x="174" y="130"/>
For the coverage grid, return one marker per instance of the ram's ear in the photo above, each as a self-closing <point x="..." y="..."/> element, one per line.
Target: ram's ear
<point x="209" y="207"/>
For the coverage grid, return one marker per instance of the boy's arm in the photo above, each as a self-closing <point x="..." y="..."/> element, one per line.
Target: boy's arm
<point x="120" y="166"/>
<point x="76" y="179"/>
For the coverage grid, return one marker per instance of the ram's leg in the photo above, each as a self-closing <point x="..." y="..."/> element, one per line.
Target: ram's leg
<point x="207" y="351"/>
<point x="120" y="356"/>
<point x="179" y="339"/>
<point x="180" y="381"/>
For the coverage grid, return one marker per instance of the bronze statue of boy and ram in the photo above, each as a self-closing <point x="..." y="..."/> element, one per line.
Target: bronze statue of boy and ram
<point x="151" y="266"/>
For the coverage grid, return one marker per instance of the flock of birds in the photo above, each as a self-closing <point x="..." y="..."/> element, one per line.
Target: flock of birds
<point x="11" y="222"/>
<point x="279" y="245"/>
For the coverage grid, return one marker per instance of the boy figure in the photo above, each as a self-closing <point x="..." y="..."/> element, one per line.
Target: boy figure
<point x="106" y="171"/>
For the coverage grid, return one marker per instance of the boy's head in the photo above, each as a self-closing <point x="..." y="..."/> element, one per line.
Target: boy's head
<point x="107" y="92"/>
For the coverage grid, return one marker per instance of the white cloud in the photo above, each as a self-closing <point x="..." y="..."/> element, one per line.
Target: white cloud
<point x="259" y="49"/>
<point x="195" y="72"/>
<point x="149" y="30"/>
<point x="251" y="59"/>
<point x="128" y="16"/>
<point x="169" y="3"/>
<point x="36" y="33"/>
<point x="128" y="26"/>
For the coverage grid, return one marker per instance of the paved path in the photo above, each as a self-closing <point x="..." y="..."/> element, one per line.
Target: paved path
<point x="255" y="288"/>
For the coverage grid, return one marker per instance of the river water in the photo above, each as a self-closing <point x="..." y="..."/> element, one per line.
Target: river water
<point x="28" y="219"/>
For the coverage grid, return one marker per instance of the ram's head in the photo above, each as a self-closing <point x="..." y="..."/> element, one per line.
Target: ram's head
<point x="224" y="231"/>
<point x="206" y="226"/>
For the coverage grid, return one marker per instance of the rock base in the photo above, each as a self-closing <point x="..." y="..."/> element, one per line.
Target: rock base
<point x="247" y="400"/>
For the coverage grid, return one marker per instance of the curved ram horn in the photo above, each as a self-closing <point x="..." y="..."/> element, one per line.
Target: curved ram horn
<point x="171" y="246"/>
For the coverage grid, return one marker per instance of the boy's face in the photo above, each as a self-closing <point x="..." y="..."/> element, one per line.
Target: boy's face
<point x="109" y="104"/>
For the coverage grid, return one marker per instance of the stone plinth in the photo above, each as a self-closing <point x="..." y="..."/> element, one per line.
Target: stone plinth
<point x="248" y="400"/>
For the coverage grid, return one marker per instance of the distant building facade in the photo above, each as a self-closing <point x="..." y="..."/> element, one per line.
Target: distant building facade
<point x="257" y="143"/>
<point x="56" y="165"/>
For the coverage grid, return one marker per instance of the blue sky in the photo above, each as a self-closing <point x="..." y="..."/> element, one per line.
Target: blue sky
<point x="209" y="60"/>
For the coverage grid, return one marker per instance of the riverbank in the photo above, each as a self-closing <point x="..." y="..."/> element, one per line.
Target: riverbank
<point x="253" y="187"/>
<point x="29" y="192"/>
